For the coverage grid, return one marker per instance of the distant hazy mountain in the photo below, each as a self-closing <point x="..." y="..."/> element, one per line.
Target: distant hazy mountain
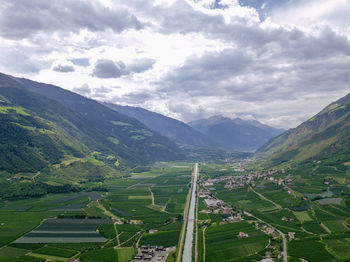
<point x="169" y="127"/>
<point x="41" y="124"/>
<point x="235" y="134"/>
<point x="324" y="136"/>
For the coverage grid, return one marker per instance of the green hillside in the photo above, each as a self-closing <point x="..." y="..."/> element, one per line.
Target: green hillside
<point x="79" y="143"/>
<point x="324" y="136"/>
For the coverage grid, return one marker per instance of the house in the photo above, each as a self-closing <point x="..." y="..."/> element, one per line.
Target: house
<point x="216" y="211"/>
<point x="270" y="230"/>
<point x="152" y="231"/>
<point x="234" y="219"/>
<point x="212" y="202"/>
<point x="242" y="235"/>
<point x="291" y="235"/>
<point x="135" y="222"/>
<point x="268" y="254"/>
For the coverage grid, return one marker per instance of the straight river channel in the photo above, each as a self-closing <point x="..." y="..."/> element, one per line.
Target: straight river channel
<point x="187" y="254"/>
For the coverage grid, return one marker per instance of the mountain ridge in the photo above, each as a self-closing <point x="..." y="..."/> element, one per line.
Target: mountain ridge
<point x="103" y="128"/>
<point x="235" y="134"/>
<point x="325" y="135"/>
<point x="172" y="128"/>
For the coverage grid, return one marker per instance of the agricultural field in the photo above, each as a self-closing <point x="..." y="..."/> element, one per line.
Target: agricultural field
<point x="223" y="244"/>
<point x="148" y="207"/>
<point x="66" y="231"/>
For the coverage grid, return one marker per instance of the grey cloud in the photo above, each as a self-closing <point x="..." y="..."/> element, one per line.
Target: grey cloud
<point x="105" y="68"/>
<point x="83" y="90"/>
<point x="244" y="31"/>
<point x="63" y="68"/>
<point x="22" y="18"/>
<point x="141" y="65"/>
<point x="274" y="80"/>
<point x="205" y="75"/>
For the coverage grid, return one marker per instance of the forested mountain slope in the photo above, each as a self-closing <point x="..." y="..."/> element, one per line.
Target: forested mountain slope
<point x="324" y="136"/>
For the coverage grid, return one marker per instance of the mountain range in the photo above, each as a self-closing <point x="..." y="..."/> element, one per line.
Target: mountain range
<point x="235" y="134"/>
<point x="215" y="132"/>
<point x="42" y="124"/>
<point x="169" y="127"/>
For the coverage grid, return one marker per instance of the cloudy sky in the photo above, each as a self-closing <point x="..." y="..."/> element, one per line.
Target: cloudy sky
<point x="277" y="61"/>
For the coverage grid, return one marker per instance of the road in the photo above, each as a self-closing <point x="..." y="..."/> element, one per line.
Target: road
<point x="150" y="190"/>
<point x="285" y="258"/>
<point x="185" y="217"/>
<point x="187" y="253"/>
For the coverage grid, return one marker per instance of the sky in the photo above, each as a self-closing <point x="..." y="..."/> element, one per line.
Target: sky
<point x="276" y="61"/>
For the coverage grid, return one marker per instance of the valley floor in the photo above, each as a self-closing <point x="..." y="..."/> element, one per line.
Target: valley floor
<point x="237" y="215"/>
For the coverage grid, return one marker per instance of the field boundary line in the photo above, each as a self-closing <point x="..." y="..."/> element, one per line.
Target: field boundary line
<point x="116" y="234"/>
<point x="129" y="238"/>
<point x="152" y="196"/>
<point x="55" y="258"/>
<point x="138" y="241"/>
<point x="265" y="198"/>
<point x="204" y="243"/>
<point x="326" y="228"/>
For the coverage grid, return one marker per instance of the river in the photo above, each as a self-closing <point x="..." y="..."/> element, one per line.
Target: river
<point x="187" y="254"/>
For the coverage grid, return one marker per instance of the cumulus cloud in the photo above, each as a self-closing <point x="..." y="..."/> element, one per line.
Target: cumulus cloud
<point x="22" y="18"/>
<point x="141" y="65"/>
<point x="105" y="68"/>
<point x="84" y="90"/>
<point x="63" y="66"/>
<point x="307" y="14"/>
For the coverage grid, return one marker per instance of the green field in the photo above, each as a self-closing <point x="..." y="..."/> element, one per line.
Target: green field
<point x="222" y="243"/>
<point x="303" y="216"/>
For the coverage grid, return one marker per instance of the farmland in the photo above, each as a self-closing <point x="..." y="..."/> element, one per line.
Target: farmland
<point x="82" y="224"/>
<point x="66" y="231"/>
<point x="223" y="244"/>
<point x="309" y="205"/>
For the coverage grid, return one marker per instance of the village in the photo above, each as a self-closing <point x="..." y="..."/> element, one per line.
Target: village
<point x="218" y="206"/>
